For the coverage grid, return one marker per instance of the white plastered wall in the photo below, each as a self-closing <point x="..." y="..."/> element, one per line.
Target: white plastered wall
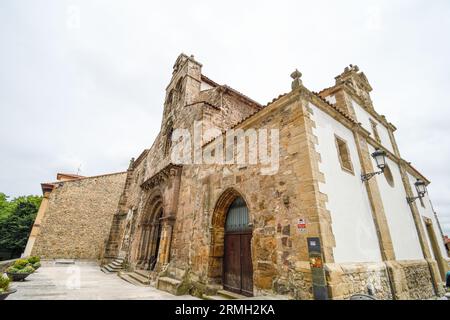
<point x="364" y="118"/>
<point x="427" y="211"/>
<point x="352" y="221"/>
<point x="401" y="224"/>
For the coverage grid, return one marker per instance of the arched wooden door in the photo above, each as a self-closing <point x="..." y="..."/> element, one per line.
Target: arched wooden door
<point x="237" y="263"/>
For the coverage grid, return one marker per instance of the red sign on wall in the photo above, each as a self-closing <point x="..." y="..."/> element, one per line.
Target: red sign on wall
<point x="301" y="225"/>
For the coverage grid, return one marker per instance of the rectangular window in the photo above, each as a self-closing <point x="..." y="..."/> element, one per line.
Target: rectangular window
<point x="375" y="130"/>
<point x="344" y="155"/>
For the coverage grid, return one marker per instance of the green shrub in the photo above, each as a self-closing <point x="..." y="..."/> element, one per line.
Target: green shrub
<point x="27" y="269"/>
<point x="34" y="259"/>
<point x="21" y="263"/>
<point x="4" y="283"/>
<point x="12" y="269"/>
<point x="36" y="265"/>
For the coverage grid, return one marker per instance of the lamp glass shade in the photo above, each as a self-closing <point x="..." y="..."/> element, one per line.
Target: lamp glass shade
<point x="420" y="187"/>
<point x="380" y="158"/>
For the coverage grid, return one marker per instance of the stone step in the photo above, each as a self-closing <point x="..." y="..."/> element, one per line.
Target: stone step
<point x="144" y="273"/>
<point x="128" y="278"/>
<point x="215" y="297"/>
<point x="116" y="264"/>
<point x="169" y="285"/>
<point x="230" y="295"/>
<point x="138" y="277"/>
<point x="105" y="270"/>
<point x="64" y="261"/>
<point x="112" y="269"/>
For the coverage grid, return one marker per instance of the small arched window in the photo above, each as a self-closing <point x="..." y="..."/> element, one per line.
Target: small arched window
<point x="179" y="87"/>
<point x="171" y="97"/>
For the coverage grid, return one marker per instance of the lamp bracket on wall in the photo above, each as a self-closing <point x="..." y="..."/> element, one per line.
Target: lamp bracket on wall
<point x="421" y="189"/>
<point x="368" y="176"/>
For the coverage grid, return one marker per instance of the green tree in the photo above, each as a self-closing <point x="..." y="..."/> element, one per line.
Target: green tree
<point x="17" y="218"/>
<point x="6" y="207"/>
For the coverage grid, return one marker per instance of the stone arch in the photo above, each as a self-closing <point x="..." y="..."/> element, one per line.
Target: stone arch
<point x="150" y="231"/>
<point x="179" y="88"/>
<point x="171" y="97"/>
<point x="217" y="232"/>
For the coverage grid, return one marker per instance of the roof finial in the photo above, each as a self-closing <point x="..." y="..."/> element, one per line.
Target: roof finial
<point x="296" y="75"/>
<point x="131" y="164"/>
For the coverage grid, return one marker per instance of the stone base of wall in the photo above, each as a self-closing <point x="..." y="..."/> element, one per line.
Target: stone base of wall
<point x="411" y="280"/>
<point x="296" y="285"/>
<point x="351" y="278"/>
<point x="399" y="280"/>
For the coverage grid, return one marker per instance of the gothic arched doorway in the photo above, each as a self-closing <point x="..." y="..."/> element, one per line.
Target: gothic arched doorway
<point x="157" y="234"/>
<point x="237" y="262"/>
<point x="230" y="258"/>
<point x="150" y="234"/>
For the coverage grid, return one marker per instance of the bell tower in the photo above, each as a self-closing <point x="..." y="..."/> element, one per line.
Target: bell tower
<point x="183" y="88"/>
<point x="357" y="83"/>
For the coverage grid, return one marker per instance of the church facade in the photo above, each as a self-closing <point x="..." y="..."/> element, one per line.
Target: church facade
<point x="306" y="197"/>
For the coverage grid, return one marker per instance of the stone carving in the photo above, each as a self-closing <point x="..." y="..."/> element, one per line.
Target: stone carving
<point x="296" y="75"/>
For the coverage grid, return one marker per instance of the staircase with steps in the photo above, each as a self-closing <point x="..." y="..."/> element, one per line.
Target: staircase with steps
<point x="113" y="267"/>
<point x="138" y="277"/>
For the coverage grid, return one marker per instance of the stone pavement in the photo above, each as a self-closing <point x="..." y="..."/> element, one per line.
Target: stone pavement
<point x="82" y="281"/>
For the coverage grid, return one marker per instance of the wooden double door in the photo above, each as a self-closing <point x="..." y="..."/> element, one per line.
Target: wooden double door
<point x="237" y="264"/>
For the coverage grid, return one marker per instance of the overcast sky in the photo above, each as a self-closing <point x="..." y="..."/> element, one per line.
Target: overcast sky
<point x="82" y="82"/>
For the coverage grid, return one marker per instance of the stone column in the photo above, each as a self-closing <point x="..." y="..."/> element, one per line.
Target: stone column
<point x="143" y="247"/>
<point x="166" y="239"/>
<point x="150" y="243"/>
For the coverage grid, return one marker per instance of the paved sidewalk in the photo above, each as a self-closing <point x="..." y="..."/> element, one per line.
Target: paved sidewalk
<point x="82" y="281"/>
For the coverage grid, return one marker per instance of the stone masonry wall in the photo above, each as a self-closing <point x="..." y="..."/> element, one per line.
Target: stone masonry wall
<point x="411" y="279"/>
<point x="78" y="218"/>
<point x="279" y="254"/>
<point x="347" y="279"/>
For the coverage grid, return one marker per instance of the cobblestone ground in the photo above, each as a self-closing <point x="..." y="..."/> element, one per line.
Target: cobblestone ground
<point x="82" y="281"/>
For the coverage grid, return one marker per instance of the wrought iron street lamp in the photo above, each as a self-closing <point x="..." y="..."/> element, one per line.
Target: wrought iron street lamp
<point x="380" y="159"/>
<point x="421" y="189"/>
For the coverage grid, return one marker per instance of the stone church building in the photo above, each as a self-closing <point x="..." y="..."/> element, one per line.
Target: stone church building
<point x="324" y="208"/>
